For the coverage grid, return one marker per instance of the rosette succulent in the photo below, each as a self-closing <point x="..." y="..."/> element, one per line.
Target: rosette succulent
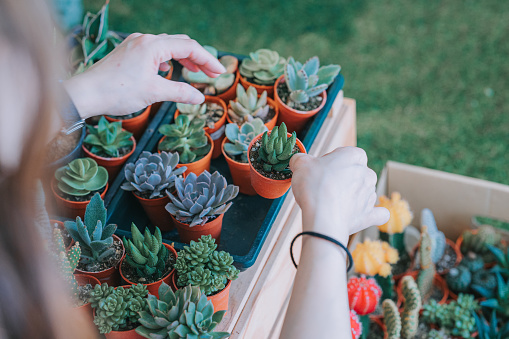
<point x="152" y="174"/>
<point x="263" y="66"/>
<point x="195" y="112"/>
<point x="185" y="137"/>
<point x="201" y="198"/>
<point x="240" y="137"/>
<point x="107" y="138"/>
<point x="248" y="106"/>
<point x="81" y="177"/>
<point x="276" y="150"/>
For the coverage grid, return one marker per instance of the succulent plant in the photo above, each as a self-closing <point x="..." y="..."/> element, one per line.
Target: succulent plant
<point x="201" y="198"/>
<point x="195" y="112"/>
<point x="427" y="273"/>
<point x="432" y="312"/>
<point x="478" y="242"/>
<point x="363" y="294"/>
<point x="355" y="325"/>
<point x="107" y="138"/>
<point x="438" y="334"/>
<point x="501" y="257"/>
<point x="374" y="257"/>
<point x="153" y="174"/>
<point x="472" y="261"/>
<point x="67" y="262"/>
<point x="201" y="265"/>
<point x="484" y="283"/>
<point x="438" y="240"/>
<point x="185" y="137"/>
<point x="401" y="216"/>
<point x="241" y="137"/>
<point x="276" y="150"/>
<point x="185" y="313"/>
<point x="248" y="106"/>
<point x="500" y="302"/>
<point x="458" y="279"/>
<point x="491" y="330"/>
<point x="264" y="66"/>
<point x="392" y="319"/>
<point x="81" y="177"/>
<point x="93" y="235"/>
<point x="308" y="79"/>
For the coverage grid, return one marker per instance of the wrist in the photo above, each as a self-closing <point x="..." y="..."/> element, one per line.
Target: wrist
<point x="326" y="223"/>
<point x="84" y="95"/>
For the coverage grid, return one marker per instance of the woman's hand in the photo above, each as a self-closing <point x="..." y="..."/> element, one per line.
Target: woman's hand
<point x="126" y="80"/>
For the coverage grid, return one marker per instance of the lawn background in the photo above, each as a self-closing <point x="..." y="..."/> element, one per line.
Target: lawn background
<point x="429" y="77"/>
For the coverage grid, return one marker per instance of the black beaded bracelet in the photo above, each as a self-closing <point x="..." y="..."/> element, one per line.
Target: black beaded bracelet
<point x="325" y="237"/>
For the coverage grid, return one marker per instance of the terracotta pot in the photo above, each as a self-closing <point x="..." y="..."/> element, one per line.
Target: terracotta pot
<point x="271" y="123"/>
<point x="437" y="281"/>
<point x="269" y="188"/>
<point x="110" y="275"/>
<point x="259" y="88"/>
<point x="294" y="119"/>
<point x="71" y="209"/>
<point x="451" y="243"/>
<point x="187" y="233"/>
<point x="136" y="125"/>
<point x="219" y="299"/>
<point x="153" y="288"/>
<point x="112" y="165"/>
<point x="240" y="173"/>
<point x="197" y="167"/>
<point x="156" y="212"/>
<point x="156" y="106"/>
<point x="61" y="227"/>
<point x="219" y="124"/>
<point x="82" y="280"/>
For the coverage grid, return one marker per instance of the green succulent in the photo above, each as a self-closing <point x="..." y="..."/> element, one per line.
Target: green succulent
<point x="248" y="106"/>
<point x="436" y="334"/>
<point x="458" y="279"/>
<point x="195" y="112"/>
<point x="432" y="312"/>
<point x="438" y="240"/>
<point x="146" y="253"/>
<point x="240" y="137"/>
<point x="67" y="262"/>
<point x="392" y="319"/>
<point x="81" y="177"/>
<point x="185" y="137"/>
<point x="93" y="235"/>
<point x="500" y="302"/>
<point x="185" y="313"/>
<point x="472" y="261"/>
<point x="276" y="151"/>
<point x="264" y="66"/>
<point x="501" y="257"/>
<point x="484" y="283"/>
<point x="107" y="138"/>
<point x="427" y="273"/>
<point x="491" y="330"/>
<point x="478" y="242"/>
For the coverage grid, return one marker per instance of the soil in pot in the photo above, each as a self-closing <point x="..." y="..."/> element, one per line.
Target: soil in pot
<point x="130" y="273"/>
<point x="84" y="295"/>
<point x="128" y="116"/>
<point x="122" y="151"/>
<point x="284" y="95"/>
<point x="259" y="167"/>
<point x="111" y="262"/>
<point x="83" y="198"/>
<point x="61" y="146"/>
<point x="214" y="113"/>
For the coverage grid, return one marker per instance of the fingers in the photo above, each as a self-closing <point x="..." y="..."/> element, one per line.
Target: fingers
<point x="378" y="216"/>
<point x="300" y="159"/>
<point x="189" y="65"/>
<point x="371" y="178"/>
<point x="167" y="90"/>
<point x="349" y="155"/>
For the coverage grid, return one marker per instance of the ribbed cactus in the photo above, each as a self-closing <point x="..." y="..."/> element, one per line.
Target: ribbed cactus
<point x="392" y="319"/>
<point x="401" y="216"/>
<point x="472" y="261"/>
<point x="413" y="304"/>
<point x="427" y="272"/>
<point x="438" y="240"/>
<point x="355" y="325"/>
<point x="67" y="262"/>
<point x="363" y="294"/>
<point x="276" y="150"/>
<point x="458" y="279"/>
<point x="478" y="243"/>
<point x="484" y="283"/>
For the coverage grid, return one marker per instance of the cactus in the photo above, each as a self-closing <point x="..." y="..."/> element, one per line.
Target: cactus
<point x="413" y="304"/>
<point x="472" y="261"/>
<point x="248" y="106"/>
<point x="363" y="294"/>
<point x="392" y="319"/>
<point x="478" y="242"/>
<point x="438" y="240"/>
<point x="427" y="273"/>
<point x="276" y="151"/>
<point x="484" y="283"/>
<point x="241" y="137"/>
<point x="355" y="325"/>
<point x="374" y="257"/>
<point x="401" y="216"/>
<point x="67" y="261"/>
<point x="81" y="177"/>
<point x="107" y="138"/>
<point x="432" y="312"/>
<point x="264" y="66"/>
<point x="458" y="279"/>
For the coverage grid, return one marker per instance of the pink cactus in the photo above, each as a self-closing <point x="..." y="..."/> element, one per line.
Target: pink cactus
<point x="356" y="325"/>
<point x="363" y="294"/>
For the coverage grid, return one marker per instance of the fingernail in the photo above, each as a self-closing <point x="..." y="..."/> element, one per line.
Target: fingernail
<point x="198" y="97"/>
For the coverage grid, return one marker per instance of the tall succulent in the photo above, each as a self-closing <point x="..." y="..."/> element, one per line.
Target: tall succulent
<point x="427" y="273"/>
<point x="263" y="66"/>
<point x="107" y="138"/>
<point x="153" y="174"/>
<point x="276" y="150"/>
<point x="67" y="262"/>
<point x="185" y="313"/>
<point x="309" y="79"/>
<point x="438" y="242"/>
<point x="241" y="137"/>
<point x="93" y="235"/>
<point x="146" y="253"/>
<point x="195" y="112"/>
<point x="81" y="177"/>
<point x="185" y="137"/>
<point x="392" y="319"/>
<point x="248" y="106"/>
<point x="200" y="198"/>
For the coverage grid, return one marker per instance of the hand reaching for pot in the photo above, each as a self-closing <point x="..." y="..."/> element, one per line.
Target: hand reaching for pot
<point x="126" y="80"/>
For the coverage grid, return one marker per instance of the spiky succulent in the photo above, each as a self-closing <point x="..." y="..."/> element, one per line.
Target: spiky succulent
<point x="201" y="265"/>
<point x="500" y="302"/>
<point x="185" y="313"/>
<point x="484" y="283"/>
<point x="263" y="66"/>
<point x="67" y="262"/>
<point x="146" y="253"/>
<point x="93" y="235"/>
<point x="427" y="273"/>
<point x="241" y="137"/>
<point x="458" y="279"/>
<point x="153" y="174"/>
<point x="195" y="112"/>
<point x="309" y="79"/>
<point x="107" y="138"/>
<point x="491" y="330"/>
<point x="248" y="106"/>
<point x="200" y="198"/>
<point x="438" y="243"/>
<point x="81" y="177"/>
<point x="276" y="150"/>
<point x="185" y="137"/>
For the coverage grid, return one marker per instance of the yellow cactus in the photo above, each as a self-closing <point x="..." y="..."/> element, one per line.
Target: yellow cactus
<point x="374" y="257"/>
<point x="401" y="216"/>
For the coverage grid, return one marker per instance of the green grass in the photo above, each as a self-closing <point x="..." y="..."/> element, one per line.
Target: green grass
<point x="430" y="77"/>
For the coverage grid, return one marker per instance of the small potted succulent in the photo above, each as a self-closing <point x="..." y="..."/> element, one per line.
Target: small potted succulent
<point x="261" y="70"/>
<point x="224" y="85"/>
<point x="249" y="105"/>
<point x="478" y="240"/>
<point x="235" y="148"/>
<point x="109" y="145"/>
<point x="148" y="260"/>
<point x="199" y="205"/>
<point x="136" y="122"/>
<point x="101" y="250"/>
<point x="269" y="157"/>
<point x="212" y="271"/>
<point x="188" y="138"/>
<point x="116" y="310"/>
<point x="76" y="183"/>
<point x="184" y="314"/>
<point x="213" y="112"/>
<point x="300" y="92"/>
<point x="149" y="178"/>
<point x="363" y="297"/>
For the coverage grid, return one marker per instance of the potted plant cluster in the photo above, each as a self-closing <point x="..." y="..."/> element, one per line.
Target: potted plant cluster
<point x="261" y="70"/>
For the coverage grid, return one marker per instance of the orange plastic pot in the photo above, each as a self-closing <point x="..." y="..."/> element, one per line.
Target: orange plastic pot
<point x="153" y="288"/>
<point x="269" y="124"/>
<point x="230" y="93"/>
<point x="240" y="173"/>
<point x="451" y="243"/>
<point x="61" y="227"/>
<point x="294" y="119"/>
<point x="82" y="280"/>
<point x="112" y="165"/>
<point x="109" y="275"/>
<point x="157" y="105"/>
<point x="266" y="187"/>
<point x="156" y="212"/>
<point x="187" y="233"/>
<point x="219" y="299"/>
<point x="259" y="88"/>
<point x="72" y="209"/>
<point x="437" y="281"/>
<point x="136" y="125"/>
<point x="199" y="166"/>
